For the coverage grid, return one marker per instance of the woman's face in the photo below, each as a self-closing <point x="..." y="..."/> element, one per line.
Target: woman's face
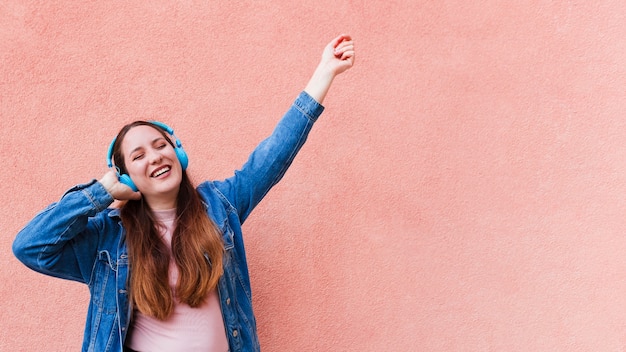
<point x="152" y="164"/>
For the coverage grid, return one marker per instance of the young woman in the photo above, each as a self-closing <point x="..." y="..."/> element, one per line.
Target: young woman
<point x="167" y="269"/>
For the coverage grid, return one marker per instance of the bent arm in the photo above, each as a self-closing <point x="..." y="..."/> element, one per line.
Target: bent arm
<point x="62" y="240"/>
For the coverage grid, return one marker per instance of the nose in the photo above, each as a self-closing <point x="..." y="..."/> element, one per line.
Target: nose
<point x="154" y="157"/>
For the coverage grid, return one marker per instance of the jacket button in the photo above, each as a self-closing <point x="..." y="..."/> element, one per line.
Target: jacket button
<point x="235" y="333"/>
<point x="227" y="301"/>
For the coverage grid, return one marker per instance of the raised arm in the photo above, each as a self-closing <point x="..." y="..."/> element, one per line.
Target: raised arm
<point x="269" y="161"/>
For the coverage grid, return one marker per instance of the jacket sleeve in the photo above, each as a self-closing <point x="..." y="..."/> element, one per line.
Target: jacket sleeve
<point x="270" y="159"/>
<point x="62" y="240"/>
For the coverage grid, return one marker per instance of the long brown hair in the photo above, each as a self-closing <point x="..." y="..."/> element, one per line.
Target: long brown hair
<point x="197" y="247"/>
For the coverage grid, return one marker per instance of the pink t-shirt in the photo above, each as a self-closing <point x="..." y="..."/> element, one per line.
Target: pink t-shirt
<point x="187" y="329"/>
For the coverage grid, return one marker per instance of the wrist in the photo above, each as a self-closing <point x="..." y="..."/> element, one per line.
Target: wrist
<point x="319" y="83"/>
<point x="107" y="184"/>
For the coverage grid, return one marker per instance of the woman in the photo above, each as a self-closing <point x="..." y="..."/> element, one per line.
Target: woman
<point x="167" y="269"/>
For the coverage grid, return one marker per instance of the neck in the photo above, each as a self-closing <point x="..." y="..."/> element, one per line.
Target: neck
<point x="161" y="201"/>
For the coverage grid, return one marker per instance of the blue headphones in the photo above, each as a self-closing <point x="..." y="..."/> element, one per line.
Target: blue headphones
<point x="178" y="148"/>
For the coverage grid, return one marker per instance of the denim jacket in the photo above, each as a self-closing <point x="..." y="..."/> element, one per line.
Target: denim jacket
<point x="80" y="238"/>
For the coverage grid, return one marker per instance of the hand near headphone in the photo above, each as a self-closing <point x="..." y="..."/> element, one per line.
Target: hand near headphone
<point x="117" y="189"/>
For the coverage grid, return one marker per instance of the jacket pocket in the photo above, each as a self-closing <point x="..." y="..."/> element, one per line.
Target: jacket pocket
<point x="103" y="288"/>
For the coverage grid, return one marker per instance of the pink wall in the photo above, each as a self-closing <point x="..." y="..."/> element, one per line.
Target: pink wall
<point x="463" y="191"/>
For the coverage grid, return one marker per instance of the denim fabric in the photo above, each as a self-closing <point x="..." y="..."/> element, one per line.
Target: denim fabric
<point x="79" y="238"/>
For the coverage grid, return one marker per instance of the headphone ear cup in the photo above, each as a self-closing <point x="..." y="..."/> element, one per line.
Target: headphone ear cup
<point x="125" y="179"/>
<point x="182" y="157"/>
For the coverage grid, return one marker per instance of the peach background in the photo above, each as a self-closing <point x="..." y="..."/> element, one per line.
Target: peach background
<point x="463" y="191"/>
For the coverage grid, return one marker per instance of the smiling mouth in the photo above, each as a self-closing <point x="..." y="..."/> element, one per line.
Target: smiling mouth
<point x="160" y="171"/>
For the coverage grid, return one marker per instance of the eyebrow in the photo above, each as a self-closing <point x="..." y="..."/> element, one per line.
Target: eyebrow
<point x="156" y="140"/>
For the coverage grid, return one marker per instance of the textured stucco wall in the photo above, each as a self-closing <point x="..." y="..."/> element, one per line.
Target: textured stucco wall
<point x="463" y="191"/>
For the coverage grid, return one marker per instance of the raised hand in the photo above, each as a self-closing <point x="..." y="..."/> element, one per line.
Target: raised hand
<point x="337" y="57"/>
<point x="117" y="189"/>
